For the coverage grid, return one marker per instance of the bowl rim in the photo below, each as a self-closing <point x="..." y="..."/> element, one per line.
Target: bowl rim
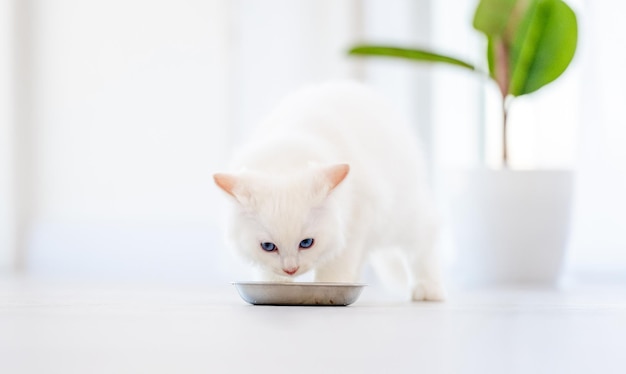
<point x="305" y="284"/>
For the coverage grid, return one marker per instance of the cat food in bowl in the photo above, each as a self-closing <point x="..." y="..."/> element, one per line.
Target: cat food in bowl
<point x="313" y="293"/>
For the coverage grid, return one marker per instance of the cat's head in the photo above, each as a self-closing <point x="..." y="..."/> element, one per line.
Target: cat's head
<point x="286" y="224"/>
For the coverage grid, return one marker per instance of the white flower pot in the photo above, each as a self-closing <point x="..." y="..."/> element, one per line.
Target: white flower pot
<point x="510" y="226"/>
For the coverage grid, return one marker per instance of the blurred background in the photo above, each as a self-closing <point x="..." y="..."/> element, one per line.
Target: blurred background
<point x="114" y="115"/>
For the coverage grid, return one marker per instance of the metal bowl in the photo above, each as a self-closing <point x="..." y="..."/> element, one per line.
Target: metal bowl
<point x="315" y="293"/>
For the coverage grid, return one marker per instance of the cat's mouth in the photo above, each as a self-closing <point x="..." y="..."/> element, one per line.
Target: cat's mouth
<point x="291" y="271"/>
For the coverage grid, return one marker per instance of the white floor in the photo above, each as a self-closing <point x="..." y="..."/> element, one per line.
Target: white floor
<point x="77" y="328"/>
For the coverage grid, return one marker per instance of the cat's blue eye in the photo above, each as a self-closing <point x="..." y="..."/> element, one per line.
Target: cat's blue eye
<point x="307" y="243"/>
<point x="267" y="246"/>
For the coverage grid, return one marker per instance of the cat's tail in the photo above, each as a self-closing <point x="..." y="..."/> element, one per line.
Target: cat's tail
<point x="391" y="268"/>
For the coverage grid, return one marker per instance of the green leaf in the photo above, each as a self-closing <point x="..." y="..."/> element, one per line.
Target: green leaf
<point x="407" y="53"/>
<point x="544" y="46"/>
<point x="499" y="21"/>
<point x="498" y="60"/>
<point x="492" y="16"/>
<point x="491" y="58"/>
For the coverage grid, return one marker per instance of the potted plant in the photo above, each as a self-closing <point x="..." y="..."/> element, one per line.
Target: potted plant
<point x="511" y="225"/>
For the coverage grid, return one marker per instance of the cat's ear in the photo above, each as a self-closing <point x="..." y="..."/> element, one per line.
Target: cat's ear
<point x="234" y="185"/>
<point x="336" y="174"/>
<point x="227" y="182"/>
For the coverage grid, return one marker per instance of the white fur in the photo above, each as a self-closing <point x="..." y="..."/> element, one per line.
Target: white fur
<point x="282" y="193"/>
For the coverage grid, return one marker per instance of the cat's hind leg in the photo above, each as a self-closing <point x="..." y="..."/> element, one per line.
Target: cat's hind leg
<point x="424" y="268"/>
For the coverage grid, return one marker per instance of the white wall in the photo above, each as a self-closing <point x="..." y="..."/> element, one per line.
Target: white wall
<point x="598" y="244"/>
<point x="407" y="84"/>
<point x="131" y="117"/>
<point x="281" y="45"/>
<point x="457" y="93"/>
<point x="131" y="109"/>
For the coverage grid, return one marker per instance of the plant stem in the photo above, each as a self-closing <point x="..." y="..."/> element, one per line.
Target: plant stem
<point x="505" y="151"/>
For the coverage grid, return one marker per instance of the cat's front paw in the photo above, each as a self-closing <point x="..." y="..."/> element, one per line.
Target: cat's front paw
<point x="428" y="291"/>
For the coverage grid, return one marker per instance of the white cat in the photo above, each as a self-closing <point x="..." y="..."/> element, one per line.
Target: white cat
<point x="330" y="178"/>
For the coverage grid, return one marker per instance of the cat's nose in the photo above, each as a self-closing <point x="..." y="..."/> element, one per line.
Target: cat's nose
<point x="291" y="271"/>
